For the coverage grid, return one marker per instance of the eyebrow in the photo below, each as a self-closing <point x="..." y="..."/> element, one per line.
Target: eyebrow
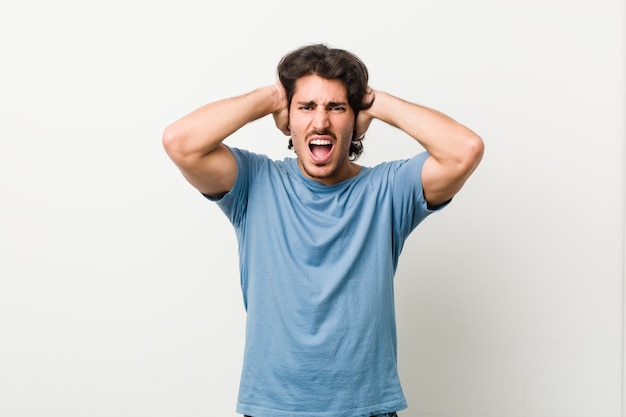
<point x="312" y="103"/>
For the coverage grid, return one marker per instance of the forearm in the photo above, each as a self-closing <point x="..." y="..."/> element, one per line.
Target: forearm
<point x="202" y="131"/>
<point x="455" y="150"/>
<point x="447" y="141"/>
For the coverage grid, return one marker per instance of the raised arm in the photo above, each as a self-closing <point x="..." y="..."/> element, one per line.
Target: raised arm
<point x="455" y="150"/>
<point x="194" y="142"/>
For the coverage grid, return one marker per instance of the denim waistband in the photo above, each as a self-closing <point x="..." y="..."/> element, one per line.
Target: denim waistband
<point x="394" y="414"/>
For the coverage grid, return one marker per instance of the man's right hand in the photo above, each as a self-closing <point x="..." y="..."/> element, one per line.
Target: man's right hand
<point x="194" y="142"/>
<point x="281" y="115"/>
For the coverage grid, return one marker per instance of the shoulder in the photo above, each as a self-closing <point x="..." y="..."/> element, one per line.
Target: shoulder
<point x="409" y="169"/>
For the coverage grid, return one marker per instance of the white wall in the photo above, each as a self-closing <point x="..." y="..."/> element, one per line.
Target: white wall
<point x="118" y="283"/>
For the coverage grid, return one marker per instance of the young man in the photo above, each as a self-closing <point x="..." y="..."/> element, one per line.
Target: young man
<point x="319" y="235"/>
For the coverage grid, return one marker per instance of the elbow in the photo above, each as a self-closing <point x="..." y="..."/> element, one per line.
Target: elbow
<point x="172" y="140"/>
<point x="474" y="150"/>
<point x="477" y="148"/>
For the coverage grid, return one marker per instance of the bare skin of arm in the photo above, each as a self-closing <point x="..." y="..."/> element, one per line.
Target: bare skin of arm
<point x="194" y="142"/>
<point x="455" y="150"/>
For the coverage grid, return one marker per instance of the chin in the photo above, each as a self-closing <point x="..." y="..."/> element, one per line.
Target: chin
<point x="318" y="171"/>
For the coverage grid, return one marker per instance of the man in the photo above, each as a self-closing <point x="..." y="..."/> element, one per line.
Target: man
<point x="319" y="235"/>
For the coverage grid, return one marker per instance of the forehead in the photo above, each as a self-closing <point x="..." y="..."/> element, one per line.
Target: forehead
<point x="320" y="90"/>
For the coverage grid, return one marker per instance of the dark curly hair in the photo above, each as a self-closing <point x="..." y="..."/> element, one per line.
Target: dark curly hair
<point x="332" y="64"/>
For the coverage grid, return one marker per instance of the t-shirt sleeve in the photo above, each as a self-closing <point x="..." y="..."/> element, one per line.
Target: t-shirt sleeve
<point x="234" y="202"/>
<point x="410" y="204"/>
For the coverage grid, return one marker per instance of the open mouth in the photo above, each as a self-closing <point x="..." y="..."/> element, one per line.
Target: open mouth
<point x="321" y="149"/>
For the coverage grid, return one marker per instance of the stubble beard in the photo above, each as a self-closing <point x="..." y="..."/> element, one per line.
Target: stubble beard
<point x="310" y="174"/>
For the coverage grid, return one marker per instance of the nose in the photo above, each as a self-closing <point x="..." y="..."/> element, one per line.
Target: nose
<point x="320" y="119"/>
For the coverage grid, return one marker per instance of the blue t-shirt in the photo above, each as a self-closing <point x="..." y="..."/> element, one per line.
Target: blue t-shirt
<point x="317" y="264"/>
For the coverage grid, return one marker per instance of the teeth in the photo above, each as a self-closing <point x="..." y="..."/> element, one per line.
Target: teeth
<point x="320" y="142"/>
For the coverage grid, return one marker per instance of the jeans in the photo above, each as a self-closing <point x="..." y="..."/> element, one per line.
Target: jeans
<point x="377" y="415"/>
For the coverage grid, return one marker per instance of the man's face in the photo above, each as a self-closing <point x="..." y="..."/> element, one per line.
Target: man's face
<point x="322" y="124"/>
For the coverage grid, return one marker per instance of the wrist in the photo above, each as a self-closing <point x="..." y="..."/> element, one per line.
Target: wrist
<point x="278" y="97"/>
<point x="378" y="104"/>
<point x="262" y="101"/>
